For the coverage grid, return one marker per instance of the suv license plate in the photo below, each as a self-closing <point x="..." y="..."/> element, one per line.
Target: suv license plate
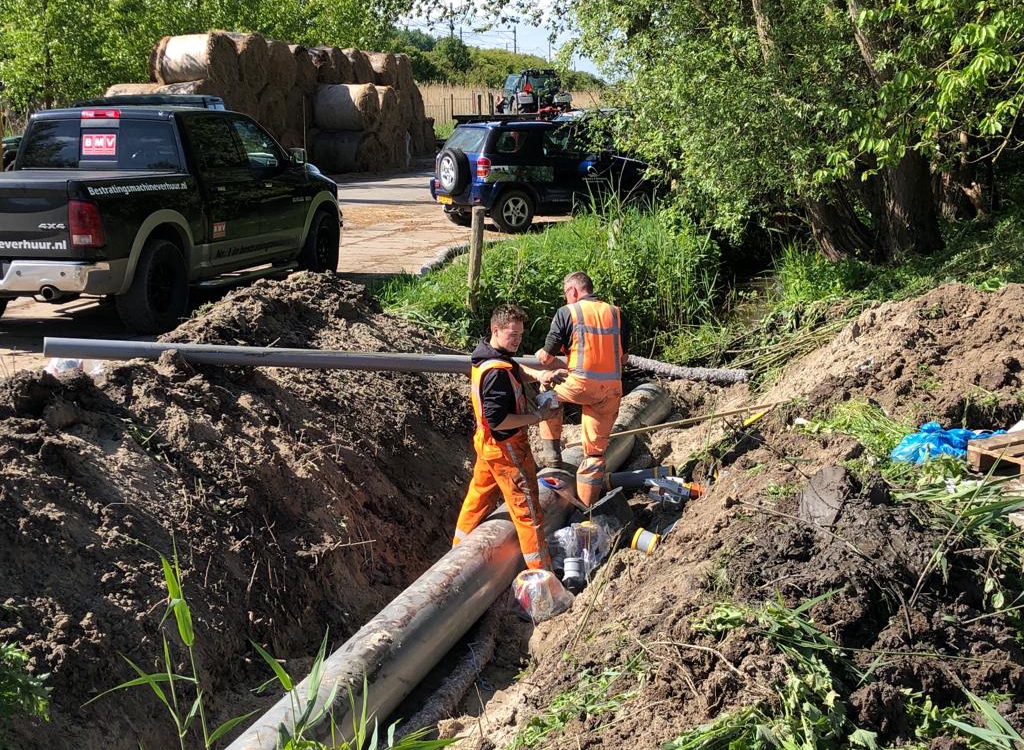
<point x="445" y="199"/>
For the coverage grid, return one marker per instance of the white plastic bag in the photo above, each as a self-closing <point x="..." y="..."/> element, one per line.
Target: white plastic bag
<point x="541" y="594"/>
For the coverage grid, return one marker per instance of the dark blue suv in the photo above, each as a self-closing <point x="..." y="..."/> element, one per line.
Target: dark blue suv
<point x="517" y="169"/>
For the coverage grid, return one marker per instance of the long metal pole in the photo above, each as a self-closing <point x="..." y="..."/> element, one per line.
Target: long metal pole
<point x="397" y="648"/>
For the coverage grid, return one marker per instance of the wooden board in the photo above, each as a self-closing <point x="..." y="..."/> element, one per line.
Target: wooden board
<point x="1007" y="449"/>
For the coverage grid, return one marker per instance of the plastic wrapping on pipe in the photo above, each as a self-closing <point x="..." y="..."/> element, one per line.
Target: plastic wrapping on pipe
<point x="710" y="374"/>
<point x="263" y="356"/>
<point x="398" y="647"/>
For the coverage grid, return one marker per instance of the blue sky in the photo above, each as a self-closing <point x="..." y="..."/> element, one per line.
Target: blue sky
<point x="528" y="38"/>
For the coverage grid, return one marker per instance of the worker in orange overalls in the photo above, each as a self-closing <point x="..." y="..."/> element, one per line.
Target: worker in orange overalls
<point x="594" y="335"/>
<point x="504" y="463"/>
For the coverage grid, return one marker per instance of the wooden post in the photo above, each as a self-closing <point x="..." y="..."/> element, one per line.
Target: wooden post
<point x="490" y="102"/>
<point x="476" y="244"/>
<point x="479" y="103"/>
<point x="451" y="102"/>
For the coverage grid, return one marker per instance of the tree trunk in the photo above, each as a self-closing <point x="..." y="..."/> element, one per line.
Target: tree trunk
<point x="908" y="222"/>
<point x="837" y="230"/>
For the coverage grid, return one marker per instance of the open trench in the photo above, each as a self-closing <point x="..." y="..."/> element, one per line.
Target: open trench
<point x="298" y="502"/>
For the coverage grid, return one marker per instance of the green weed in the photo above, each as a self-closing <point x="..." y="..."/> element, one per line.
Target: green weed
<point x="869" y="425"/>
<point x="21" y="692"/>
<point x="596" y="693"/>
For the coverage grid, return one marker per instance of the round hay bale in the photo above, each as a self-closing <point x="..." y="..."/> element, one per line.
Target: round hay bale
<point x="404" y="79"/>
<point x="428" y="138"/>
<point x="305" y="70"/>
<point x="362" y="71"/>
<point x="390" y="109"/>
<point x="280" y="65"/>
<point x="240" y="98"/>
<point x="292" y="139"/>
<point x="336" y="68"/>
<point x="253" y="59"/>
<point x="406" y="108"/>
<point x="119" y="89"/>
<point x="346" y="106"/>
<point x="326" y="71"/>
<point x="191" y="87"/>
<point x="194" y="57"/>
<point x="418" y="110"/>
<point x="300" y="110"/>
<point x="385" y="68"/>
<point x="337" y="152"/>
<point x="273" y="110"/>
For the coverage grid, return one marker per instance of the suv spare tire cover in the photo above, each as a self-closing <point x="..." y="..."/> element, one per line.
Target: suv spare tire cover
<point x="453" y="170"/>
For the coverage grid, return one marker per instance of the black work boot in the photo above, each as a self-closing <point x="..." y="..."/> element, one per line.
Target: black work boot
<point x="550" y="454"/>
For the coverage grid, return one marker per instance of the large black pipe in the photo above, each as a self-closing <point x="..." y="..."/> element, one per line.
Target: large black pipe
<point x="397" y="648"/>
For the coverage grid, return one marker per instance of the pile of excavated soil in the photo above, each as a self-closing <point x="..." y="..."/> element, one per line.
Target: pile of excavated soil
<point x="297" y="500"/>
<point x="952" y="355"/>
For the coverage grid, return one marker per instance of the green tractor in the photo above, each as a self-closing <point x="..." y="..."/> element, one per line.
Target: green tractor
<point x="531" y="92"/>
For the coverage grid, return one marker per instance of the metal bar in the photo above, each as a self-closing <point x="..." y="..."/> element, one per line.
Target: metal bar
<point x="261" y="356"/>
<point x="397" y="648"/>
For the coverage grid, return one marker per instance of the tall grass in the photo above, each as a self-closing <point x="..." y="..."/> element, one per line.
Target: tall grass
<point x="660" y="271"/>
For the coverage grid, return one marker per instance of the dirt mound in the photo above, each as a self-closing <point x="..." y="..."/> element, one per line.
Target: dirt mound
<point x="637" y="662"/>
<point x="298" y="500"/>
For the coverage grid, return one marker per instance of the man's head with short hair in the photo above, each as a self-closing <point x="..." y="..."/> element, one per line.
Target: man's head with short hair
<point x="507" y="324"/>
<point x="576" y="285"/>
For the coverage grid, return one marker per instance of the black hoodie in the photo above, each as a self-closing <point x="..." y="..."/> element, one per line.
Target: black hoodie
<point x="496" y="393"/>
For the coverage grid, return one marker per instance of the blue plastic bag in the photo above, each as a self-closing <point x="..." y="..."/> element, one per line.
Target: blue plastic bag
<point x="931" y="441"/>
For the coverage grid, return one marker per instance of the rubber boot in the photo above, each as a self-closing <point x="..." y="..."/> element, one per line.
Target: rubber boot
<point x="550" y="454"/>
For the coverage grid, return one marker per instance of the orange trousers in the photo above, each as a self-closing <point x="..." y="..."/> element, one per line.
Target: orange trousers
<point x="507" y="470"/>
<point x="600" y="401"/>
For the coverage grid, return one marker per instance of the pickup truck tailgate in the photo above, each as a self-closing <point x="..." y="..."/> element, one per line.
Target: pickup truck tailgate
<point x="35" y="218"/>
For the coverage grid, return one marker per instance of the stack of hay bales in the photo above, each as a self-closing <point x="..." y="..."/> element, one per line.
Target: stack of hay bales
<point x="368" y="112"/>
<point x="354" y="111"/>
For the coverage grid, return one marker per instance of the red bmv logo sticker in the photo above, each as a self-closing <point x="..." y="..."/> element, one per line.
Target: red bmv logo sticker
<point x="99" y="144"/>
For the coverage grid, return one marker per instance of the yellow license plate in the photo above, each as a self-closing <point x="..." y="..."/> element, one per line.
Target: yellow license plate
<point x="445" y="199"/>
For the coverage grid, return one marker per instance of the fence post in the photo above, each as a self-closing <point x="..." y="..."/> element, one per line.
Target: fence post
<point x="479" y="103"/>
<point x="476" y="243"/>
<point x="490" y="102"/>
<point x="451" y="101"/>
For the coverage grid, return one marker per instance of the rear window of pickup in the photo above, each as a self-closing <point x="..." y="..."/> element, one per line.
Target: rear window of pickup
<point x="145" y="145"/>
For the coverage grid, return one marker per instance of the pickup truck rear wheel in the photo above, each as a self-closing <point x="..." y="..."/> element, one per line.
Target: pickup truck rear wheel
<point x="513" y="212"/>
<point x="157" y="299"/>
<point x="320" y="253"/>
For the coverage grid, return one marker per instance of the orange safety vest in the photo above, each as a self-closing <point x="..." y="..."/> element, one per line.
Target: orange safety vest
<point x="483" y="436"/>
<point x="596" y="351"/>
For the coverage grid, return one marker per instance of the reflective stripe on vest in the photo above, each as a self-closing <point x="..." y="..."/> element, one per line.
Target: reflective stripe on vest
<point x="596" y="351"/>
<point x="476" y="378"/>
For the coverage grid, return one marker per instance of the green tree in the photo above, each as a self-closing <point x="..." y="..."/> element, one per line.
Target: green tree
<point x="453" y="54"/>
<point x="744" y="105"/>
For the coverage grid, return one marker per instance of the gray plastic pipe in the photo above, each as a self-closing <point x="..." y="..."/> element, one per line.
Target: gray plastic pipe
<point x="262" y="356"/>
<point x="401" y="644"/>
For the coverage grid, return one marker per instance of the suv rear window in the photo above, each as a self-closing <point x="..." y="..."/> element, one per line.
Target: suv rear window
<point x="467" y="139"/>
<point x="138" y="144"/>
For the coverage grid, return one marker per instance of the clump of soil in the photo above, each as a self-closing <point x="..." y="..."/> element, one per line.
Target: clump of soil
<point x="297" y="500"/>
<point x="783" y="516"/>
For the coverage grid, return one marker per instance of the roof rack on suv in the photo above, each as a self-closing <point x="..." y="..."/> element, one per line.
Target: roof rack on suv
<point x="504" y="118"/>
<point x="203" y="101"/>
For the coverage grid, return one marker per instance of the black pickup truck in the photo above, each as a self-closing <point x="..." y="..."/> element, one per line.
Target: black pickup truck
<point x="143" y="202"/>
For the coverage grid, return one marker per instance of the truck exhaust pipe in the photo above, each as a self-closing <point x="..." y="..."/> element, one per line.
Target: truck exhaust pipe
<point x="51" y="293"/>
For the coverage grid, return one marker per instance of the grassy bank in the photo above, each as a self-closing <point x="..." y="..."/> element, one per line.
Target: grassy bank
<point x="659" y="269"/>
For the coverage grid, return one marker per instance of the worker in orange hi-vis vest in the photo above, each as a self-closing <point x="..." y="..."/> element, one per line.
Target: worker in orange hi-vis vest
<point x="504" y="463"/>
<point x="595" y="336"/>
